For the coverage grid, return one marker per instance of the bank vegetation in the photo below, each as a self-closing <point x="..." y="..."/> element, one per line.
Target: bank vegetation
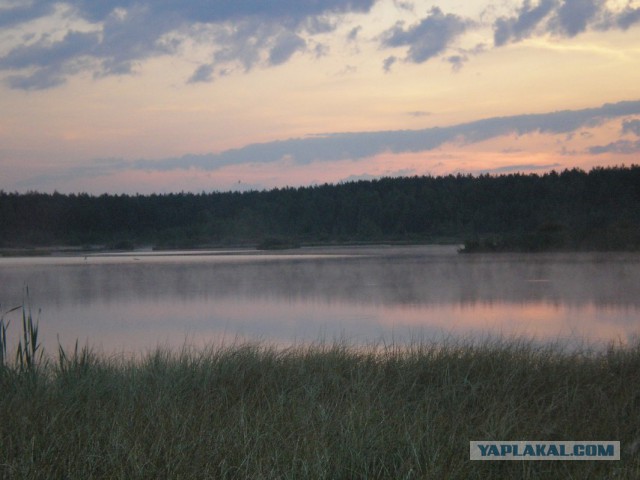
<point x="567" y="210"/>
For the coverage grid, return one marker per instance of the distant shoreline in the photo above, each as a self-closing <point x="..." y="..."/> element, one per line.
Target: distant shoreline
<point x="465" y="248"/>
<point x="71" y="250"/>
<point x="572" y="210"/>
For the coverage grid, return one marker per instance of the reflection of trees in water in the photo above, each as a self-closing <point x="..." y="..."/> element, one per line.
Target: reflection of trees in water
<point x="411" y="276"/>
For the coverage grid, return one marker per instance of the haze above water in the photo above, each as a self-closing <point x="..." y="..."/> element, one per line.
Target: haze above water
<point x="135" y="302"/>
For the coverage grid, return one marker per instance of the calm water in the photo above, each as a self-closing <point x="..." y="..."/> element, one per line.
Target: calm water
<point x="134" y="302"/>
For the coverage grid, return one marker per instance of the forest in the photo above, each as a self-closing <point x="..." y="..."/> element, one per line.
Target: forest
<point x="568" y="210"/>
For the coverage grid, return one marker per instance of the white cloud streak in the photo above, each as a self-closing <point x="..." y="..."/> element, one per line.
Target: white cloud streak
<point x="359" y="145"/>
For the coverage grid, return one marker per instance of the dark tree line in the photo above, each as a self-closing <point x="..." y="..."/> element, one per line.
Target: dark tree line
<point x="599" y="209"/>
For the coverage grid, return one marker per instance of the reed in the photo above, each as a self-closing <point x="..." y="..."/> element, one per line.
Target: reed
<point x="4" y="324"/>
<point x="29" y="352"/>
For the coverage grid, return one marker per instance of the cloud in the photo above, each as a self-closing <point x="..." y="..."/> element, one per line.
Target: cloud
<point x="130" y="37"/>
<point x="625" y="147"/>
<point x="408" y="6"/>
<point x="215" y="11"/>
<point x="203" y="74"/>
<point x="359" y="145"/>
<point x="17" y="15"/>
<point x="622" y="146"/>
<point x="419" y="113"/>
<point x="39" y="80"/>
<point x="286" y="44"/>
<point x="352" y="36"/>
<point x="628" y="17"/>
<point x="562" y="18"/>
<point x="388" y="63"/>
<point x="48" y="63"/>
<point x="320" y="50"/>
<point x="427" y="39"/>
<point x="631" y="126"/>
<point x="358" y="178"/>
<point x="127" y="32"/>
<point x="573" y="16"/>
<point x="124" y="38"/>
<point x="457" y="61"/>
<point x="114" y="37"/>
<point x="523" y="167"/>
<point x="348" y="70"/>
<point x="405" y="172"/>
<point x="508" y="29"/>
<point x="46" y="53"/>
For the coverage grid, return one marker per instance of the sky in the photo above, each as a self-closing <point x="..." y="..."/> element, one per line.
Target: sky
<point x="143" y="96"/>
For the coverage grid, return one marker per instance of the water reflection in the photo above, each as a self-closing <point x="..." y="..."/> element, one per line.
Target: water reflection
<point x="137" y="301"/>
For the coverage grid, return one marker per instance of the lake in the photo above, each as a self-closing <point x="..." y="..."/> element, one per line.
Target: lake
<point x="133" y="302"/>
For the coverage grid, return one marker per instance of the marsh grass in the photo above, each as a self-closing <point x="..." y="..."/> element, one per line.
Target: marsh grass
<point x="321" y="411"/>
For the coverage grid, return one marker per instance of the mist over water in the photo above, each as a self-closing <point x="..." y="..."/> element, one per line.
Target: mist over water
<point x="134" y="302"/>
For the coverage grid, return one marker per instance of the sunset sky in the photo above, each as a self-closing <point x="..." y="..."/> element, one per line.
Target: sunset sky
<point x="141" y="96"/>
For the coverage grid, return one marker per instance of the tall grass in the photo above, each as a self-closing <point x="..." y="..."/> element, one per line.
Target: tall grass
<point x="319" y="411"/>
